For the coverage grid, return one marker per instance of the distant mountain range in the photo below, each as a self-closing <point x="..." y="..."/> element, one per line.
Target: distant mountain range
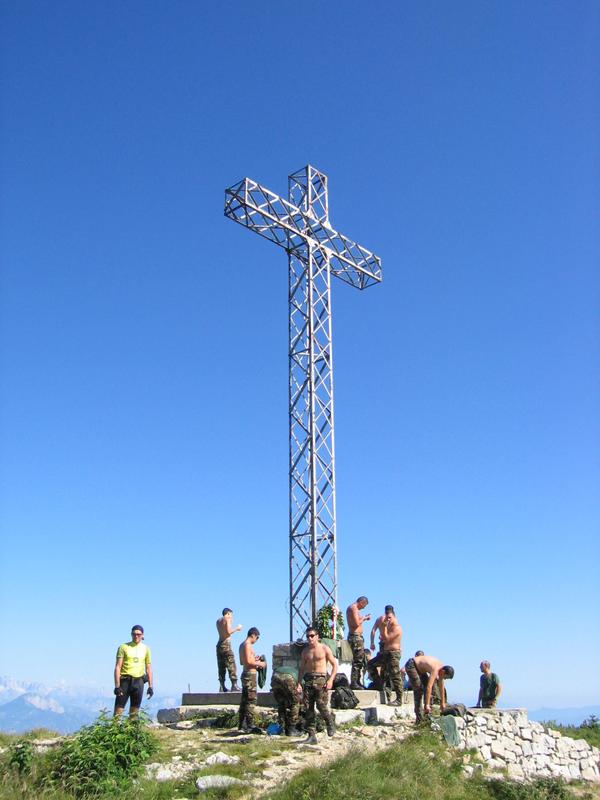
<point x="64" y="709"/>
<point x="26" y="705"/>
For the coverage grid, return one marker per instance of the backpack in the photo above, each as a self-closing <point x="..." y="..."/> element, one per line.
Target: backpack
<point x="455" y="710"/>
<point x="343" y="697"/>
<point x="340" y="680"/>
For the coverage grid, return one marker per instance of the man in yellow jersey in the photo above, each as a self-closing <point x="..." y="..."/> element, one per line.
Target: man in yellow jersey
<point x="133" y="663"/>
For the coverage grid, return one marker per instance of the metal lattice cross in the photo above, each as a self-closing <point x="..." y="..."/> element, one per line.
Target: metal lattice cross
<point x="315" y="252"/>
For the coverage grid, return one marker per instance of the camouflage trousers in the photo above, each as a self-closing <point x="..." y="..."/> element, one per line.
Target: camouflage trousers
<point x="315" y="693"/>
<point x="248" y="704"/>
<point x="373" y="666"/>
<point x="418" y="684"/>
<point x="391" y="670"/>
<point x="357" y="643"/>
<point x="226" y="662"/>
<point x="284" y="689"/>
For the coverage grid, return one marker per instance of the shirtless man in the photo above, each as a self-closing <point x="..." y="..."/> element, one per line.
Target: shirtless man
<point x="313" y="669"/>
<point x="225" y="657"/>
<point x="391" y="636"/>
<point x="355" y="638"/>
<point x="250" y="663"/>
<point x="375" y="665"/>
<point x="423" y="672"/>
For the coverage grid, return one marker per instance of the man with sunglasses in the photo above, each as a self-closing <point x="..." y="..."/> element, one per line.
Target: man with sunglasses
<point x="133" y="664"/>
<point x="317" y="684"/>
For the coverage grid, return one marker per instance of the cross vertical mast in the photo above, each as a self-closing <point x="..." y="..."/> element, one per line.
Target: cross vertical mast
<point x="315" y="252"/>
<point x="312" y="543"/>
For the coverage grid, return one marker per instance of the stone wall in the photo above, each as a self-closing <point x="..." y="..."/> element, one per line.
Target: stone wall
<point x="505" y="739"/>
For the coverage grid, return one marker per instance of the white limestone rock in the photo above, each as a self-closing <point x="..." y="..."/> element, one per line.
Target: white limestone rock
<point x="498" y="750"/>
<point x="515" y="771"/>
<point x="590" y="774"/>
<point x="217" y="782"/>
<point x="221" y="758"/>
<point x="345" y="715"/>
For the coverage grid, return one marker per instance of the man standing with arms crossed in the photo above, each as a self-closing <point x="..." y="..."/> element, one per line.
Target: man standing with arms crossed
<point x="250" y="663"/>
<point x="391" y="636"/>
<point x="225" y="657"/>
<point x="356" y="640"/>
<point x="132" y="664"/>
<point x="313" y="670"/>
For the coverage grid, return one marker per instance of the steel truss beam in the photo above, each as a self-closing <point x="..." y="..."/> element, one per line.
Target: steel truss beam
<point x="315" y="252"/>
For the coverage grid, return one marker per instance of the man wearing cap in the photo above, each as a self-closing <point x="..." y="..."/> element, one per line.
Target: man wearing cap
<point x="284" y="683"/>
<point x="391" y="636"/>
<point x="132" y="665"/>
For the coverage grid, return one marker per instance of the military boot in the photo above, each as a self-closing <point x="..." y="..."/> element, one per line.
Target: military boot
<point x="312" y="738"/>
<point x="330" y="726"/>
<point x="235" y="688"/>
<point x="222" y="687"/>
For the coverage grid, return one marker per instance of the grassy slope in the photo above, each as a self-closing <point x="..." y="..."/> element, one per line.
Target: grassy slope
<point x="420" y="768"/>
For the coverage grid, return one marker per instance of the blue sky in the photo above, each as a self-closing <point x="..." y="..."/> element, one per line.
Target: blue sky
<point x="144" y="336"/>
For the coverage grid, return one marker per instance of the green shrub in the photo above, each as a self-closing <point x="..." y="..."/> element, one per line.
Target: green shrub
<point x="588" y="730"/>
<point x="542" y="789"/>
<point x="21" y="755"/>
<point x="227" y="719"/>
<point x="103" y="757"/>
<point x="325" y="621"/>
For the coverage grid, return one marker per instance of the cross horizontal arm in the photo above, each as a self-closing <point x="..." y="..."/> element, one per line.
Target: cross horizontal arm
<point x="283" y="223"/>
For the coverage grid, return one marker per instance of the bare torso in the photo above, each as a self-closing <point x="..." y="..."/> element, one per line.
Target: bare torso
<point x="377" y="629"/>
<point x="223" y="628"/>
<point x="432" y="666"/>
<point x="392" y="634"/>
<point x="314" y="659"/>
<point x="247" y="656"/>
<point x="353" y="619"/>
<point x="428" y="664"/>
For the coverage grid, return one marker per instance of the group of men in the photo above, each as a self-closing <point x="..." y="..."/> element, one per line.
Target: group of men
<point x="425" y="673"/>
<point x="308" y="686"/>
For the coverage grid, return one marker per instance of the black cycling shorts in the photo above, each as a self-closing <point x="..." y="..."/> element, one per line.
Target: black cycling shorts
<point x="133" y="689"/>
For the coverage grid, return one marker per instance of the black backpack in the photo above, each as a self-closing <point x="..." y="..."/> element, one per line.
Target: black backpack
<point x="343" y="697"/>
<point x="455" y="710"/>
<point x="340" y="680"/>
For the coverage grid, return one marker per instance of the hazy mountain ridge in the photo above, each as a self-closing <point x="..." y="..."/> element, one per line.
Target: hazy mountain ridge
<point x="25" y="705"/>
<point x="564" y="716"/>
